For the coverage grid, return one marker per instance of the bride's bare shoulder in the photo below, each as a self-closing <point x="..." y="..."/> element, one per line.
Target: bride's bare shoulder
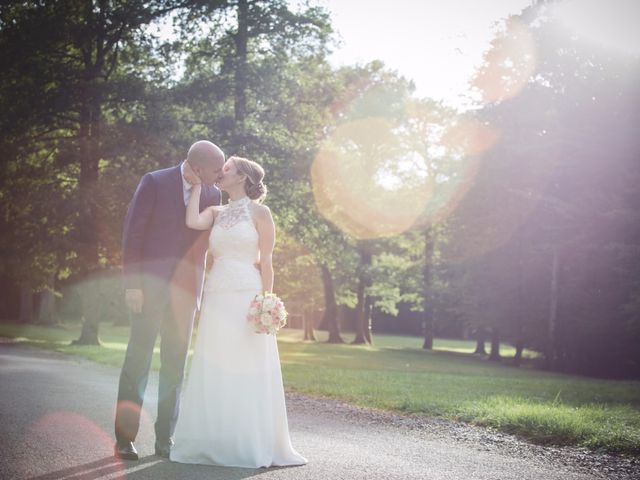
<point x="260" y="209"/>
<point x="261" y="213"/>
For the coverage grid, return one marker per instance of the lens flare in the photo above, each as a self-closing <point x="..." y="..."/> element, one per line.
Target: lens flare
<point x="468" y="137"/>
<point x="348" y="180"/>
<point x="499" y="210"/>
<point x="70" y="432"/>
<point x="131" y="417"/>
<point x="373" y="178"/>
<point x="612" y="24"/>
<point x="509" y="63"/>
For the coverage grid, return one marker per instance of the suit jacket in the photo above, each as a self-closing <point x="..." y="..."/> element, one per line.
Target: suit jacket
<point x="158" y="249"/>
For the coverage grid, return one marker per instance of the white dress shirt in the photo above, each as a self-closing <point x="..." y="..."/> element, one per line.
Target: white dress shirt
<point x="186" y="186"/>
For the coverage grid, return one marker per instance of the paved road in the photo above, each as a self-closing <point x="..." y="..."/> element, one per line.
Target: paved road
<point x="57" y="414"/>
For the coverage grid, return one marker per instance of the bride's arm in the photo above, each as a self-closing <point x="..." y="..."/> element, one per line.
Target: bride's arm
<point x="267" y="239"/>
<point x="195" y="218"/>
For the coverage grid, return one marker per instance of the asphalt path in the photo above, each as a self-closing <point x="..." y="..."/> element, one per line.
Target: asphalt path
<point x="56" y="414"/>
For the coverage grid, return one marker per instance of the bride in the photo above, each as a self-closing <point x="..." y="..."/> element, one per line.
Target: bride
<point x="233" y="408"/>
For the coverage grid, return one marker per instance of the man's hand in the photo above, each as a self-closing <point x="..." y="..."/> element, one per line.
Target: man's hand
<point x="191" y="176"/>
<point x="134" y="299"/>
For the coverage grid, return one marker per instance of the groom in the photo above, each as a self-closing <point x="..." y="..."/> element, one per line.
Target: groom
<point x="163" y="265"/>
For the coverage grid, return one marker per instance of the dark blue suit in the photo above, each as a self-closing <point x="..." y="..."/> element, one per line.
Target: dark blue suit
<point x="166" y="260"/>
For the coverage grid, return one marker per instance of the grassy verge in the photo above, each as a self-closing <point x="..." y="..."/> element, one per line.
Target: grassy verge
<point x="396" y="374"/>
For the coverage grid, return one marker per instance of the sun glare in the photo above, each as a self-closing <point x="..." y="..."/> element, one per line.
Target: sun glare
<point x="509" y="63"/>
<point x="366" y="183"/>
<point x="612" y="24"/>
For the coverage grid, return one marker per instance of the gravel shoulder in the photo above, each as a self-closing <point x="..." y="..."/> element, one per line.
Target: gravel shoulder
<point x="594" y="464"/>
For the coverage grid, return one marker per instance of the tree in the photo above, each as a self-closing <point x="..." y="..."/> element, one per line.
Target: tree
<point x="545" y="209"/>
<point x="74" y="90"/>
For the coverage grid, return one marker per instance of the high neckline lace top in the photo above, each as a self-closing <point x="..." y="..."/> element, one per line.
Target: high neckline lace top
<point x="241" y="201"/>
<point x="233" y="242"/>
<point x="235" y="211"/>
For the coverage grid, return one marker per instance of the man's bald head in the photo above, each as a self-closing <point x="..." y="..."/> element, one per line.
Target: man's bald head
<point x="207" y="160"/>
<point x="204" y="151"/>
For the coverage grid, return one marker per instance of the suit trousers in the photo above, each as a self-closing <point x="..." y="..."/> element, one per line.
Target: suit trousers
<point x="168" y="310"/>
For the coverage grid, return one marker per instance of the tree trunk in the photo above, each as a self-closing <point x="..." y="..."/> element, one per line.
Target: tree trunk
<point x="89" y="141"/>
<point x="480" y="341"/>
<point x="330" y="306"/>
<point x="307" y="321"/>
<point x="88" y="334"/>
<point x="521" y="309"/>
<point x="26" y="304"/>
<point x="89" y="160"/>
<point x="92" y="304"/>
<point x="427" y="321"/>
<point x="427" y="331"/>
<point x="521" y="304"/>
<point x="495" y="345"/>
<point x="46" y="308"/>
<point x="367" y="320"/>
<point x="550" y="353"/>
<point x="427" y="325"/>
<point x="517" y="358"/>
<point x="241" y="39"/>
<point x="88" y="237"/>
<point x="360" y="317"/>
<point x="363" y="333"/>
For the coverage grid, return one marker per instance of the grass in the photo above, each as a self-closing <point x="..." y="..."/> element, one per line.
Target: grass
<point x="396" y="374"/>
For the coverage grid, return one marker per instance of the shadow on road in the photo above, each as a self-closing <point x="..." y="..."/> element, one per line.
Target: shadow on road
<point x="94" y="469"/>
<point x="149" y="468"/>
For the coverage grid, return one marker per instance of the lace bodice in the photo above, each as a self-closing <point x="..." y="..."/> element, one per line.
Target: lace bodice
<point x="234" y="244"/>
<point x="234" y="212"/>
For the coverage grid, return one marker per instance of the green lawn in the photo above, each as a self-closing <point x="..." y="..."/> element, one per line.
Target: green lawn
<point x="396" y="374"/>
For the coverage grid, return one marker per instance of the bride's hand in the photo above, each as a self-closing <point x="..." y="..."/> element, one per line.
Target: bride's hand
<point x="191" y="176"/>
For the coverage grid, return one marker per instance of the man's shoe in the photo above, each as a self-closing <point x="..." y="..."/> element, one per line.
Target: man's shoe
<point x="164" y="449"/>
<point x="125" y="451"/>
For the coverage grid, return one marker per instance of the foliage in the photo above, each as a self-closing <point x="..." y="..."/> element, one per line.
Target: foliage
<point x="548" y="232"/>
<point x="520" y="216"/>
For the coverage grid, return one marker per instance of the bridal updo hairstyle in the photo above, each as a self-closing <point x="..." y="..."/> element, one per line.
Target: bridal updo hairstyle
<point x="253" y="186"/>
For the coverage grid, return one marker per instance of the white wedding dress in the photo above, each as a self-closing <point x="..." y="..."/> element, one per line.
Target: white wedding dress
<point x="233" y="406"/>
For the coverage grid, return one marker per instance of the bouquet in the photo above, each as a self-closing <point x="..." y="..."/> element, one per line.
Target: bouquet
<point x="267" y="313"/>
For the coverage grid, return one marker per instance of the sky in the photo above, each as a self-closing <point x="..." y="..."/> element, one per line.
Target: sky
<point x="437" y="44"/>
